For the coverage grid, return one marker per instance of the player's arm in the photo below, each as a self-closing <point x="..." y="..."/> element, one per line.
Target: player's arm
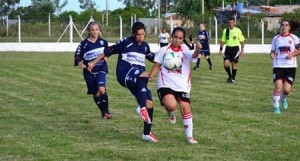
<point x="154" y="70"/>
<point x="272" y="54"/>
<point x="197" y="50"/>
<point x="242" y="48"/>
<point x="273" y="48"/>
<point x="78" y="58"/>
<point x="221" y="48"/>
<point x="295" y="53"/>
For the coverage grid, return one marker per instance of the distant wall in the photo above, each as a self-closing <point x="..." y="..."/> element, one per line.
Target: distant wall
<point x="71" y="47"/>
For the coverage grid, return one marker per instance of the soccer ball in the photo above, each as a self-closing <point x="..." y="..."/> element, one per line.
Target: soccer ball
<point x="172" y="61"/>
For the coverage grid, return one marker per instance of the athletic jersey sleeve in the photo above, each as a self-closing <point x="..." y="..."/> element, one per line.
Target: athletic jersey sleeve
<point x="78" y="54"/>
<point x="188" y="54"/>
<point x="273" y="47"/>
<point x="114" y="49"/>
<point x="159" y="55"/>
<point x="241" y="36"/>
<point x="207" y="36"/>
<point x="297" y="42"/>
<point x="224" y="36"/>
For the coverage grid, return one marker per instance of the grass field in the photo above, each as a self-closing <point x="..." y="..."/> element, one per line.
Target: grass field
<point x="45" y="114"/>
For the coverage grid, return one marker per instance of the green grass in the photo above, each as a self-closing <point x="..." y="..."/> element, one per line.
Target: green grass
<point x="45" y="114"/>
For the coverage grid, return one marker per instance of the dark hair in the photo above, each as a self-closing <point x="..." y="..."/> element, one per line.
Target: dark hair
<point x="178" y="29"/>
<point x="137" y="26"/>
<point x="230" y="19"/>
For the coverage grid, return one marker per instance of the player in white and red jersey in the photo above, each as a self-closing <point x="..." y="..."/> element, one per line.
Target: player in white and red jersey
<point x="285" y="48"/>
<point x="174" y="85"/>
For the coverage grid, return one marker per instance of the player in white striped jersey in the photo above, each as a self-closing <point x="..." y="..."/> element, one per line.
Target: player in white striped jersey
<point x="285" y="48"/>
<point x="174" y="85"/>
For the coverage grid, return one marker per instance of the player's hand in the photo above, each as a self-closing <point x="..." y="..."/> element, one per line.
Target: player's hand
<point x="242" y="53"/>
<point x="82" y="66"/>
<point x="198" y="45"/>
<point x="221" y="53"/>
<point x="290" y="56"/>
<point x="91" y="65"/>
<point x="272" y="55"/>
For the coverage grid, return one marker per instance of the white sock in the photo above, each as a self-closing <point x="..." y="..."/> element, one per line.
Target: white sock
<point x="188" y="124"/>
<point x="276" y="98"/>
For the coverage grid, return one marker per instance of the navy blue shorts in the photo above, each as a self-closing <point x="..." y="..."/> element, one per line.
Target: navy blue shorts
<point x="130" y="80"/>
<point x="94" y="81"/>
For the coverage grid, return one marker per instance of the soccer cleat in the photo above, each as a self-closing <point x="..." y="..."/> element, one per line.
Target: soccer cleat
<point x="196" y="68"/>
<point x="211" y="67"/>
<point x="232" y="81"/>
<point x="229" y="80"/>
<point x="191" y="140"/>
<point x="284" y="103"/>
<point x="172" y="118"/>
<point x="276" y="110"/>
<point x="149" y="138"/>
<point x="106" y="116"/>
<point x="143" y="113"/>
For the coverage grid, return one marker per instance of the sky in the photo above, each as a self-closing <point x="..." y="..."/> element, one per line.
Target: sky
<point x="73" y="5"/>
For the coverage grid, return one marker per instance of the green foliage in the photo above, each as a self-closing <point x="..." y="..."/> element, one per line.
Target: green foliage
<point x="46" y="115"/>
<point x="87" y="4"/>
<point x="7" y="6"/>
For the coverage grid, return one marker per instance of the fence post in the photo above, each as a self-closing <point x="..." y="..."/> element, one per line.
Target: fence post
<point x="19" y="28"/>
<point x="6" y="25"/>
<point x="216" y="30"/>
<point x="262" y="32"/>
<point x="49" y="27"/>
<point x="121" y="28"/>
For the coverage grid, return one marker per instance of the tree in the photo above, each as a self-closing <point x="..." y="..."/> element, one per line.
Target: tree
<point x="7" y="6"/>
<point x="87" y="4"/>
<point x="58" y="6"/>
<point x="146" y="4"/>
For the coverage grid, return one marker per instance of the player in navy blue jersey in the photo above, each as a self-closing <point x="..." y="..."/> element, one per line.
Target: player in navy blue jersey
<point x="88" y="50"/>
<point x="203" y="37"/>
<point x="131" y="72"/>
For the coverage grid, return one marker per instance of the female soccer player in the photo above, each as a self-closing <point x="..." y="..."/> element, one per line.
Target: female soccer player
<point x="131" y="72"/>
<point x="174" y="85"/>
<point x="203" y="37"/>
<point x="285" y="48"/>
<point x="88" y="50"/>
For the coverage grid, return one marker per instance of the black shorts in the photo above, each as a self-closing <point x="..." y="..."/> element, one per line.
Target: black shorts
<point x="161" y="92"/>
<point x="205" y="53"/>
<point x="232" y="54"/>
<point x="285" y="74"/>
<point x="163" y="44"/>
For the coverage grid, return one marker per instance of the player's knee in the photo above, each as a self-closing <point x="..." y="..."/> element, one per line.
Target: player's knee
<point x="170" y="106"/>
<point x="144" y="74"/>
<point x="286" y="92"/>
<point x="149" y="104"/>
<point x="102" y="90"/>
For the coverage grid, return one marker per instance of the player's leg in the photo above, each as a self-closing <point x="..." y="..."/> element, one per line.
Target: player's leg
<point x="92" y="87"/>
<point x="136" y="81"/>
<point x="227" y="57"/>
<point x="207" y="57"/>
<point x="234" y="70"/>
<point x="187" y="117"/>
<point x="101" y="82"/>
<point x="198" y="62"/>
<point x="169" y="102"/>
<point x="278" y="77"/>
<point x="290" y="75"/>
<point x="234" y="61"/>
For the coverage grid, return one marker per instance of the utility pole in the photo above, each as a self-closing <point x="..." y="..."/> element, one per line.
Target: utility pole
<point x="158" y="7"/>
<point x="202" y="2"/>
<point x="106" y="14"/>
